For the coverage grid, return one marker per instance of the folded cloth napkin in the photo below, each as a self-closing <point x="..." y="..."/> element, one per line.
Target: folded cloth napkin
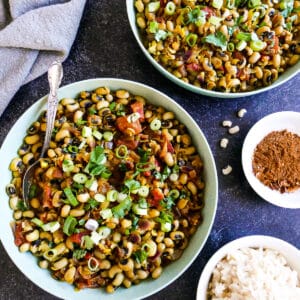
<point x="33" y="33"/>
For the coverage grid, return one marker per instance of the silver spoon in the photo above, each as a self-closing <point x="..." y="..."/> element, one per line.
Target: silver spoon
<point x="55" y="74"/>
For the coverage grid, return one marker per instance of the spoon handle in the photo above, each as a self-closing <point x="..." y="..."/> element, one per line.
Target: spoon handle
<point x="55" y="74"/>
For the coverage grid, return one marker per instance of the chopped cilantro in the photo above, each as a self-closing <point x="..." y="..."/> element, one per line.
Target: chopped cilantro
<point x="79" y="253"/>
<point x="218" y="39"/>
<point x="140" y="256"/>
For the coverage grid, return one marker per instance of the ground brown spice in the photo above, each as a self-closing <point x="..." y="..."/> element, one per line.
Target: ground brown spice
<point x="276" y="161"/>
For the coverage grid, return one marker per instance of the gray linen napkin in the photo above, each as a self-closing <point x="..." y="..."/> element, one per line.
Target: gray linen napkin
<point x="33" y="33"/>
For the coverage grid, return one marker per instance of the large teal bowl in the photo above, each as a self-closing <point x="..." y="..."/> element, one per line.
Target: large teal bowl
<point x="27" y="263"/>
<point x="287" y="75"/>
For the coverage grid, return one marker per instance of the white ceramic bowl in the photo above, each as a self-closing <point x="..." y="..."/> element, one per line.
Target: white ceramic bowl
<point x="277" y="121"/>
<point x="291" y="253"/>
<point x="27" y="263"/>
<point x="287" y="75"/>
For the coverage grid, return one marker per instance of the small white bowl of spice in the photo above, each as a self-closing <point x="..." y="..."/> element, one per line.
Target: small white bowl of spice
<point x="271" y="158"/>
<point x="255" y="267"/>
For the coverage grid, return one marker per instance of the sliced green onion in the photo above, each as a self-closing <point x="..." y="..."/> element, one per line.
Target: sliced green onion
<point x="253" y="3"/>
<point x="143" y="191"/>
<point x="153" y="27"/>
<point x="80" y="178"/>
<point x="214" y="20"/>
<point x="170" y="8"/>
<point x="244" y="36"/>
<point x="174" y="194"/>
<point x="112" y="195"/>
<point x="99" y="198"/>
<point x="160" y="35"/>
<point x="67" y="165"/>
<point x="93" y="264"/>
<point x="241" y="45"/>
<point x="153" y="6"/>
<point x="104" y="232"/>
<point x="51" y="226"/>
<point x="37" y="222"/>
<point x="106" y="173"/>
<point x="191" y="40"/>
<point x="70" y="196"/>
<point x="72" y="149"/>
<point x="106" y="213"/>
<point x="86" y="131"/>
<point x="91" y="184"/>
<point x="133" y="117"/>
<point x="108" y="136"/>
<point x="122" y="151"/>
<point x="69" y="225"/>
<point x="144" y="166"/>
<point x="166" y="227"/>
<point x="230" y="4"/>
<point x="97" y="134"/>
<point x="82" y="144"/>
<point x="257" y="45"/>
<point x="230" y="47"/>
<point x="139" y="210"/>
<point x="155" y="124"/>
<point x="217" y="4"/>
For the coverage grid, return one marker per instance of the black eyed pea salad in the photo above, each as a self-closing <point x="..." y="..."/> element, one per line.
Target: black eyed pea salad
<point x="222" y="45"/>
<point x="118" y="196"/>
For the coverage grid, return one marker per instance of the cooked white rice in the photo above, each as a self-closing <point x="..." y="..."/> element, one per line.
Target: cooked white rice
<point x="258" y="274"/>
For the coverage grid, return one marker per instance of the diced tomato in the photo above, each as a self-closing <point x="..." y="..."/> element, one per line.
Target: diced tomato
<point x="57" y="173"/>
<point x="193" y="67"/>
<point x="76" y="237"/>
<point x="129" y="142"/>
<point x="276" y="44"/>
<point x="209" y="12"/>
<point x="46" y="196"/>
<point x="88" y="256"/>
<point x="128" y="128"/>
<point x="19" y="236"/>
<point x="139" y="108"/>
<point x="147" y="173"/>
<point x="157" y="194"/>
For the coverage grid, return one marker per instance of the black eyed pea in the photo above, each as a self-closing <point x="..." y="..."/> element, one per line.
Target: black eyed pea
<point x="168" y="242"/>
<point x="126" y="264"/>
<point x="192" y="187"/>
<point x="169" y="115"/>
<point x="28" y="214"/>
<point x="44" y="235"/>
<point x="156" y="272"/>
<point x="122" y="94"/>
<point x="177" y="235"/>
<point x="60" y="264"/>
<point x="110" y="289"/>
<point x="24" y="247"/>
<point x="61" y="134"/>
<point x="118" y="279"/>
<point x="104" y="264"/>
<point x="13" y="202"/>
<point x="117" y="237"/>
<point x="102" y="91"/>
<point x="128" y="249"/>
<point x="78" y="115"/>
<point x="70" y="275"/>
<point x="102" y="104"/>
<point x="32" y="139"/>
<point x="16" y="164"/>
<point x="32" y="236"/>
<point x="72" y="107"/>
<point x="83" y="197"/>
<point x="169" y="160"/>
<point x="142" y="274"/>
<point x="65" y="210"/>
<point x="113" y="271"/>
<point x="56" y="199"/>
<point x="139" y="5"/>
<point x="67" y="101"/>
<point x="28" y="158"/>
<point x="127" y="283"/>
<point x="160" y="237"/>
<point x="43" y="264"/>
<point x="17" y="214"/>
<point x="69" y="243"/>
<point x="150" y="247"/>
<point x="36" y="147"/>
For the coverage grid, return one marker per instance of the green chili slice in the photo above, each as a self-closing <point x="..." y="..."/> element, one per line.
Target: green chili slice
<point x="122" y="151"/>
<point x="191" y="39"/>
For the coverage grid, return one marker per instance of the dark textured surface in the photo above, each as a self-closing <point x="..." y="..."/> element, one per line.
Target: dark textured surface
<point x="105" y="47"/>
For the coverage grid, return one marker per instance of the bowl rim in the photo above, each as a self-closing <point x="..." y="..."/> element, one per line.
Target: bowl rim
<point x="293" y="70"/>
<point x="61" y="287"/>
<point x="289" y="251"/>
<point x="289" y="120"/>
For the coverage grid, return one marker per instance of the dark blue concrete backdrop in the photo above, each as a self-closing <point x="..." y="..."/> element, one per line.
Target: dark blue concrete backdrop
<point x="105" y="47"/>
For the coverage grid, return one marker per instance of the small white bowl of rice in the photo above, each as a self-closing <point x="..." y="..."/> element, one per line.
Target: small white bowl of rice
<point x="254" y="267"/>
